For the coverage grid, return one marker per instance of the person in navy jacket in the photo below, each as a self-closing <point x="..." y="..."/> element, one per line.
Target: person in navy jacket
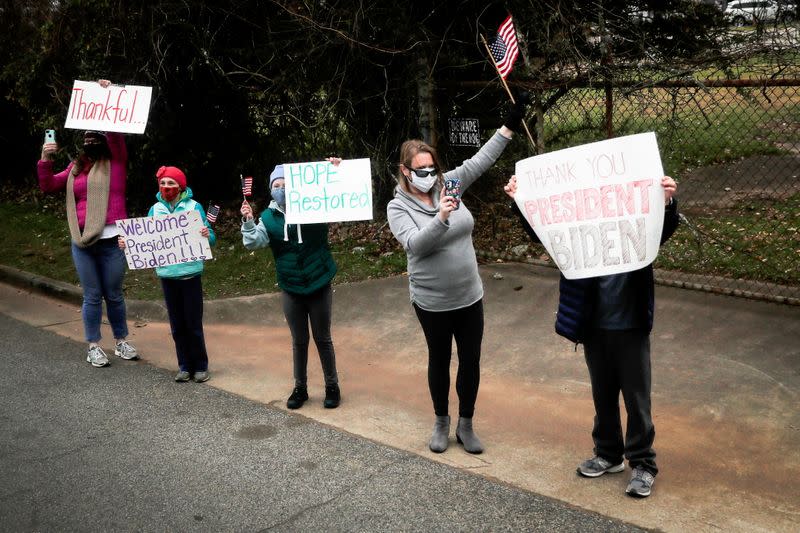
<point x="612" y="317"/>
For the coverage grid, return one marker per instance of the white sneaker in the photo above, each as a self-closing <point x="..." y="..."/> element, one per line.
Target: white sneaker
<point x="97" y="357"/>
<point x="126" y="350"/>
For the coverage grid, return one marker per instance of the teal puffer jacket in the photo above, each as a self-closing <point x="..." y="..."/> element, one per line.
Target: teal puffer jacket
<point x="161" y="207"/>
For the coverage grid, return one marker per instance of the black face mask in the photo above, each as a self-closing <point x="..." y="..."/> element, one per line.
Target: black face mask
<point x="94" y="151"/>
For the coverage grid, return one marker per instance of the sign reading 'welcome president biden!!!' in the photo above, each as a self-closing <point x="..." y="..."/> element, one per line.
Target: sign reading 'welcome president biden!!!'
<point x="597" y="208"/>
<point x="163" y="240"/>
<point x="324" y="192"/>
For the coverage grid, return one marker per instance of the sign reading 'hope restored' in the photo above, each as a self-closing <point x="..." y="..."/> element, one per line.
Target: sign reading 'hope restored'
<point x="597" y="208"/>
<point x="324" y="192"/>
<point x="163" y="240"/>
<point x="121" y="108"/>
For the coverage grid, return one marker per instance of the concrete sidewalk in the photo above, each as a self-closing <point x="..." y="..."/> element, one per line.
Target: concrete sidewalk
<point x="726" y="378"/>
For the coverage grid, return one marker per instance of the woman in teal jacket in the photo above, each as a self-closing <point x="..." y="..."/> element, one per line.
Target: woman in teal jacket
<point x="305" y="268"/>
<point x="183" y="289"/>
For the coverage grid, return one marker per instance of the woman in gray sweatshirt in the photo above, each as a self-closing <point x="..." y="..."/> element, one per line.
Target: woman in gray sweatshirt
<point x="446" y="290"/>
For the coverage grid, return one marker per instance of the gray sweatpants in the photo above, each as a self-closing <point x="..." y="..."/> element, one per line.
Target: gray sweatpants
<point x="299" y="310"/>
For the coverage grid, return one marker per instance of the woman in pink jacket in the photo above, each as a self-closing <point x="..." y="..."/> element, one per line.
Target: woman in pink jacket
<point x="95" y="187"/>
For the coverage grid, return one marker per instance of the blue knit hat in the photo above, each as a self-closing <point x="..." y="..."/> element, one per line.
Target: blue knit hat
<point x="276" y="174"/>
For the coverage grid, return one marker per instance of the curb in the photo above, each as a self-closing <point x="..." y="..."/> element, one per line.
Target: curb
<point x="263" y="309"/>
<point x="138" y="309"/>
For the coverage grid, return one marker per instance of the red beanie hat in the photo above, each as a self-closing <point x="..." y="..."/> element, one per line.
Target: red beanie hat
<point x="174" y="173"/>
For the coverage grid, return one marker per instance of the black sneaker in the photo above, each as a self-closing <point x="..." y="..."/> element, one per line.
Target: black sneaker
<point x="298" y="398"/>
<point x="332" y="396"/>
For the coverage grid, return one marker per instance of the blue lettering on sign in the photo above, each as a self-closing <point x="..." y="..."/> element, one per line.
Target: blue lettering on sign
<point x="325" y="201"/>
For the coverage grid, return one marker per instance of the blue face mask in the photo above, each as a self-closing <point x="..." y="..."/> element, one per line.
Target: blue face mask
<point x="279" y="195"/>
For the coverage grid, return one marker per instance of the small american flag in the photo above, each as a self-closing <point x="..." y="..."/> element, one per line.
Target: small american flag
<point x="504" y="47"/>
<point x="212" y="213"/>
<point x="247" y="186"/>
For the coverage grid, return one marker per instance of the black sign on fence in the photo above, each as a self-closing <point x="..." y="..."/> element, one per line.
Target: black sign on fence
<point x="464" y="132"/>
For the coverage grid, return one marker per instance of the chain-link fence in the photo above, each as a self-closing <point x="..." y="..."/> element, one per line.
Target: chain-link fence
<point x="734" y="148"/>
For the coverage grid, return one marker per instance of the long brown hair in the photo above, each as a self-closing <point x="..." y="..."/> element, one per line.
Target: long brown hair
<point x="408" y="150"/>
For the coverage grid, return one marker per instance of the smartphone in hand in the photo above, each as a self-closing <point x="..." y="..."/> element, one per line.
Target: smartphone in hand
<point x="49" y="136"/>
<point x="452" y="187"/>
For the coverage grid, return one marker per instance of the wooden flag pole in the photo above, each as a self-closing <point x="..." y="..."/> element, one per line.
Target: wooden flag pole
<point x="510" y="96"/>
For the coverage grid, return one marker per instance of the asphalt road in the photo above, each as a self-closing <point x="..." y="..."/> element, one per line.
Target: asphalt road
<point x="124" y="448"/>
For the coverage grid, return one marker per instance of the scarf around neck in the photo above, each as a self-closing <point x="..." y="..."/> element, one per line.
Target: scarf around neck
<point x="98" y="185"/>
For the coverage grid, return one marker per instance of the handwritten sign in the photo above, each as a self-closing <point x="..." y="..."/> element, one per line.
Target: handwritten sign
<point x="597" y="208"/>
<point x="122" y="108"/>
<point x="464" y="132"/>
<point x="323" y="192"/>
<point x="164" y="240"/>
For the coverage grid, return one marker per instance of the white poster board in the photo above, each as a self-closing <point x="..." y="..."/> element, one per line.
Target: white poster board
<point x="164" y="240"/>
<point x="323" y="192"/>
<point x="121" y="108"/>
<point x="597" y="208"/>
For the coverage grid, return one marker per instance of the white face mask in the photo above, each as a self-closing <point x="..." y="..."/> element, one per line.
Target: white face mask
<point x="423" y="184"/>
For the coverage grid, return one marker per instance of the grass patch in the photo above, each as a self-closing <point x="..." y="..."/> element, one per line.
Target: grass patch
<point x="37" y="240"/>
<point x="759" y="241"/>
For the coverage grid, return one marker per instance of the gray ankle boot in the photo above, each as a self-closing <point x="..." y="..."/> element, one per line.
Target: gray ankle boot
<point x="441" y="434"/>
<point x="466" y="436"/>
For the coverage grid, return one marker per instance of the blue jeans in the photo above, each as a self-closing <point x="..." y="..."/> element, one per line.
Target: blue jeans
<point x="101" y="269"/>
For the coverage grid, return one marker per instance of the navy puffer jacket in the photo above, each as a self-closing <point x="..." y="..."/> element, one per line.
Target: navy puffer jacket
<point x="577" y="297"/>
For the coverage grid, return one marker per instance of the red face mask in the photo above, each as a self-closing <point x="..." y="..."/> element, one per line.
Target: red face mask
<point x="169" y="193"/>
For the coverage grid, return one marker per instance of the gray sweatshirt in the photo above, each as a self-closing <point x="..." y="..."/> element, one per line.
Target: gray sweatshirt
<point x="442" y="268"/>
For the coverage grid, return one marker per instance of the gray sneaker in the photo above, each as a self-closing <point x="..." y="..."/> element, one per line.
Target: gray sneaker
<point x="641" y="483"/>
<point x="125" y="350"/>
<point x="200" y="377"/>
<point x="97" y="357"/>
<point x="597" y="466"/>
<point x="182" y="376"/>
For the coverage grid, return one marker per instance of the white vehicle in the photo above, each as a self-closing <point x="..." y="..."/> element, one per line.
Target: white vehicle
<point x="748" y="12"/>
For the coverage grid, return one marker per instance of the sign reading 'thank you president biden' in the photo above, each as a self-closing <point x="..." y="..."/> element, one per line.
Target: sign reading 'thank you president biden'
<point x="324" y="192"/>
<point x="597" y="208"/>
<point x="163" y="240"/>
<point x="122" y="108"/>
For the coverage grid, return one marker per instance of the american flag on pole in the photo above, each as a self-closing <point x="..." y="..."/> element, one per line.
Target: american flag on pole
<point x="504" y="47"/>
<point x="212" y="213"/>
<point x="247" y="186"/>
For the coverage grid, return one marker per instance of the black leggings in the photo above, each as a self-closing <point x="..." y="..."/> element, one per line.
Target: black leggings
<point x="299" y="310"/>
<point x="466" y="325"/>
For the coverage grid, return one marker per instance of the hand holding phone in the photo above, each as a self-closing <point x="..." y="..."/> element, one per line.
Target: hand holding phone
<point x="49" y="148"/>
<point x="452" y="187"/>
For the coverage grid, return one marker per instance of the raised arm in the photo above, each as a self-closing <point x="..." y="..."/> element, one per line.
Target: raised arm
<point x="472" y="168"/>
<point x="253" y="235"/>
<point x="116" y="144"/>
<point x="511" y="190"/>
